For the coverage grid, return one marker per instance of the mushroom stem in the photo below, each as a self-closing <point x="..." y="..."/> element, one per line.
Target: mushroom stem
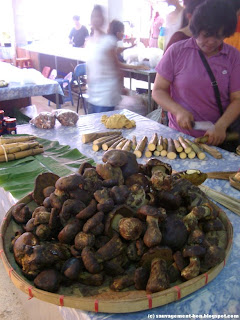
<point x="152" y="236"/>
<point x="158" y="280"/>
<point x="192" y="270"/>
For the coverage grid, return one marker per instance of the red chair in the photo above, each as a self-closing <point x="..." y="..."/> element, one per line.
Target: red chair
<point x="46" y="71"/>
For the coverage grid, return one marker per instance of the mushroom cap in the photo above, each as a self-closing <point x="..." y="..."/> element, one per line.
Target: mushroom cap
<point x="147" y="210"/>
<point x="70" y="182"/>
<point x="130" y="228"/>
<point x="138" y="178"/>
<point x="42" y="181"/>
<point x="116" y="158"/>
<point x="194" y="251"/>
<point x="161" y="252"/>
<point x="153" y="162"/>
<point x="84" y="166"/>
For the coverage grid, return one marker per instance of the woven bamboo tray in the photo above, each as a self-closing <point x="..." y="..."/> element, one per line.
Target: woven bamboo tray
<point x="103" y="299"/>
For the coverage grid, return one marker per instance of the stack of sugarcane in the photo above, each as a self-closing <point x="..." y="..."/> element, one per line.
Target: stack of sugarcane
<point x="17" y="147"/>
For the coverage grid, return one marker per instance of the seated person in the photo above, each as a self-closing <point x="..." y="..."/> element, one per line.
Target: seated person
<point x="78" y="34"/>
<point x="183" y="86"/>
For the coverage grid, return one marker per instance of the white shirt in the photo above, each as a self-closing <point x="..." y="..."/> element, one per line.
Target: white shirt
<point x="103" y="77"/>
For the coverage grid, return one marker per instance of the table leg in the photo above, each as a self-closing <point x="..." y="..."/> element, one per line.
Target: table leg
<point x="149" y="94"/>
<point x="57" y="101"/>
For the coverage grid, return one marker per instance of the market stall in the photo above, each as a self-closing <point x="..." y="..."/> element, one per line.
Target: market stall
<point x="217" y="297"/>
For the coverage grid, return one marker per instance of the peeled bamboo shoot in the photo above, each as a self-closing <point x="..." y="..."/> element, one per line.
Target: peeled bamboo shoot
<point x="165" y="146"/>
<point x="134" y="142"/>
<point x="106" y="145"/>
<point x="160" y="144"/>
<point x="121" y="144"/>
<point x="171" y="151"/>
<point x="105" y="139"/>
<point x="153" y="142"/>
<point x="17" y="147"/>
<point x="200" y="154"/>
<point x="178" y="146"/>
<point x="187" y="148"/>
<point x="90" y="137"/>
<point x="156" y="153"/>
<point x="183" y="155"/>
<point x="148" y="153"/>
<point x="212" y="151"/>
<point x="127" y="146"/>
<point x="191" y="155"/>
<point x="140" y="147"/>
<point x="113" y="146"/>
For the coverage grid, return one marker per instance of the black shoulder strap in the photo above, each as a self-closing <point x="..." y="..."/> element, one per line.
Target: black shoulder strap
<point x="213" y="81"/>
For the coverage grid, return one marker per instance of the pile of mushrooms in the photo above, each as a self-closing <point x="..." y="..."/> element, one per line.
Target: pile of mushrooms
<point x="139" y="224"/>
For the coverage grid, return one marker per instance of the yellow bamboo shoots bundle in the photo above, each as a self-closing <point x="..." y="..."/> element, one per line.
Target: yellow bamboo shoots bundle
<point x="17" y="147"/>
<point x="16" y="139"/>
<point x="21" y="154"/>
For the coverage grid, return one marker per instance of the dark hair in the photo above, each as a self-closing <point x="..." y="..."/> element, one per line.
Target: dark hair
<point x="189" y="8"/>
<point x="114" y="27"/>
<point x="214" y="16"/>
<point x="77" y="18"/>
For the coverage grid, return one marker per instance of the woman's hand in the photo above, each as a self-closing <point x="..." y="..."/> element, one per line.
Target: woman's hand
<point x="184" y="119"/>
<point x="216" y="135"/>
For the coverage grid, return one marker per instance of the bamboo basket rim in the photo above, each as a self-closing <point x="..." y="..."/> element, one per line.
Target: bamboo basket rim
<point x="143" y="301"/>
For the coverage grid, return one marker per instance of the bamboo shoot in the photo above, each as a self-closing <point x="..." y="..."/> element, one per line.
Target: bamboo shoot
<point x="178" y="146"/>
<point x="200" y="154"/>
<point x="165" y="146"/>
<point x="108" y="144"/>
<point x="140" y="147"/>
<point x="187" y="148"/>
<point x="182" y="155"/>
<point x="113" y="146"/>
<point x="127" y="146"/>
<point x="90" y="137"/>
<point x="16" y="139"/>
<point x="121" y="144"/>
<point x="134" y="142"/>
<point x="148" y="153"/>
<point x="153" y="142"/>
<point x="21" y="154"/>
<point x="105" y="139"/>
<point x="212" y="151"/>
<point x="171" y="151"/>
<point x="156" y="153"/>
<point x="160" y="144"/>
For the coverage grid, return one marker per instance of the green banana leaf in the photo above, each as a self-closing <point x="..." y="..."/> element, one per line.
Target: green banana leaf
<point x="18" y="176"/>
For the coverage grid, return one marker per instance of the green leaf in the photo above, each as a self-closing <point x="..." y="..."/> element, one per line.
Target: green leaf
<point x="18" y="176"/>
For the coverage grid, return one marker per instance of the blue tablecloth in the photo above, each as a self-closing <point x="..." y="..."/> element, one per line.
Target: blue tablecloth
<point x="219" y="297"/>
<point x="25" y="83"/>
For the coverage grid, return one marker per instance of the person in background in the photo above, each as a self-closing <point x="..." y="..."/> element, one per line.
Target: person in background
<point x="183" y="86"/>
<point x="116" y="29"/>
<point x="234" y="40"/>
<point x="173" y="20"/>
<point x="78" y="34"/>
<point x="161" y="37"/>
<point x="103" y="71"/>
<point x="185" y="32"/>
<point x="156" y="24"/>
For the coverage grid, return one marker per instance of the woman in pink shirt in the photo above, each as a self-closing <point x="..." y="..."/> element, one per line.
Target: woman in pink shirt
<point x="182" y="85"/>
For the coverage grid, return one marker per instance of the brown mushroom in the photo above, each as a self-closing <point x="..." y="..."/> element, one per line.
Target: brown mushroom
<point x="119" y="194"/>
<point x="71" y="268"/>
<point x="173" y="273"/>
<point x="159" y="279"/>
<point x="116" y="265"/>
<point x="141" y="277"/>
<point x="70" y="208"/>
<point x="89" y="211"/>
<point x="93" y="222"/>
<point x="153" y="235"/>
<point x="48" y="280"/>
<point x="91" y="260"/>
<point x="180" y="261"/>
<point x="154" y="165"/>
<point x="83" y="240"/>
<point x="137" y="196"/>
<point x="192" y="270"/>
<point x="130" y="228"/>
<point x="26" y="239"/>
<point x="83" y="166"/>
<point x="194" y="251"/>
<point x="123" y="281"/>
<point x="160" y="252"/>
<point x="108" y="172"/>
<point x="68" y="233"/>
<point x="21" y="213"/>
<point x="91" y="279"/>
<point x="70" y="182"/>
<point x="43" y="180"/>
<point x="111" y="249"/>
<point x="105" y="202"/>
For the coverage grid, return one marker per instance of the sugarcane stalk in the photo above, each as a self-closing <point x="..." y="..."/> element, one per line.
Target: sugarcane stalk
<point x="187" y="148"/>
<point x="113" y="146"/>
<point x="16" y="139"/>
<point x="21" y="154"/>
<point x="160" y="144"/>
<point x="90" y="137"/>
<point x="201" y="155"/>
<point x="171" y="151"/>
<point x="127" y="146"/>
<point x="140" y="147"/>
<point x="165" y="146"/>
<point x="178" y="146"/>
<point x="134" y="142"/>
<point x="16" y="147"/>
<point x="153" y="142"/>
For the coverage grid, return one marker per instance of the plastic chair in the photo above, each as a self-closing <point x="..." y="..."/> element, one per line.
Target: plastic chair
<point x="46" y="71"/>
<point x="79" y="73"/>
<point x="65" y="83"/>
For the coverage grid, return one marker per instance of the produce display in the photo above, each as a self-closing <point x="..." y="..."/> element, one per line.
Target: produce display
<point x="117" y="121"/>
<point x="133" y="226"/>
<point x="66" y="117"/>
<point x="157" y="146"/>
<point x="12" y="148"/>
